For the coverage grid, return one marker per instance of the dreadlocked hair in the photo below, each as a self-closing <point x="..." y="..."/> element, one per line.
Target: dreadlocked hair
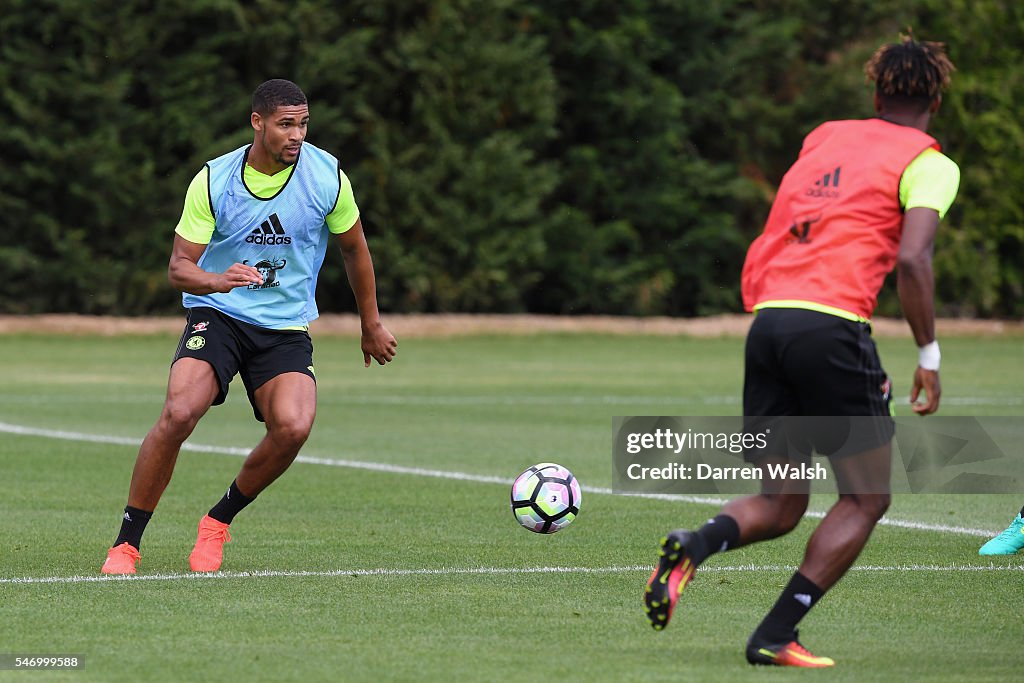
<point x="910" y="73"/>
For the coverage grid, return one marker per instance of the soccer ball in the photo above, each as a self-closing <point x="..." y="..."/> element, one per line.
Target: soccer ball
<point x="546" y="498"/>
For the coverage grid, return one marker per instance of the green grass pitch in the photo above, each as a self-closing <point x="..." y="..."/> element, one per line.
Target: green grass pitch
<point x="383" y="573"/>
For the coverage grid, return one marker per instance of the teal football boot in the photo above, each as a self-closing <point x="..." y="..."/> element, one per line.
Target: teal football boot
<point x="1008" y="542"/>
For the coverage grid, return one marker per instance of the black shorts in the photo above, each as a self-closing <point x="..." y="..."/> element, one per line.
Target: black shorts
<point x="233" y="347"/>
<point x="823" y="370"/>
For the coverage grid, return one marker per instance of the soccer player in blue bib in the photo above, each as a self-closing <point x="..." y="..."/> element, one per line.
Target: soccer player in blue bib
<point x="247" y="251"/>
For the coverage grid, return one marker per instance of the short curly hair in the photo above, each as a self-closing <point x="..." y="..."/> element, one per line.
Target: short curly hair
<point x="909" y="73"/>
<point x="277" y="92"/>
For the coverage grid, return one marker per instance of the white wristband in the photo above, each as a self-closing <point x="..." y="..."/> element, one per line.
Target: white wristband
<point x="928" y="356"/>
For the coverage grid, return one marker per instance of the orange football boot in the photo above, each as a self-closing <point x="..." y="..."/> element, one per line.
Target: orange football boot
<point x="121" y="560"/>
<point x="789" y="653"/>
<point x="209" y="549"/>
<point x="674" y="571"/>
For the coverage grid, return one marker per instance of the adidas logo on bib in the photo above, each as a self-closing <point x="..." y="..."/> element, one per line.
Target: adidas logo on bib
<point x="270" y="231"/>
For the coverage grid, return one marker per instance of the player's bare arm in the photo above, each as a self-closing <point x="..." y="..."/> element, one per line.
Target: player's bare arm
<point x="377" y="343"/>
<point x="185" y="275"/>
<point x="916" y="287"/>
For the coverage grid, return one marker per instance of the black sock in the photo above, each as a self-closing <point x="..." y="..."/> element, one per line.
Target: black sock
<point x="230" y="505"/>
<point x="132" y="525"/>
<point x="1022" y="512"/>
<point x="719" y="534"/>
<point x="799" y="596"/>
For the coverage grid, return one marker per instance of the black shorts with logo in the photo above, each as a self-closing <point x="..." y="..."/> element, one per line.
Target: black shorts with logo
<point x="233" y="347"/>
<point x="824" y="374"/>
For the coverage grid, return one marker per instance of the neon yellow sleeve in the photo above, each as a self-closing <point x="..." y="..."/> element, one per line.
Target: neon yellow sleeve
<point x="345" y="211"/>
<point x="197" y="223"/>
<point x="930" y="181"/>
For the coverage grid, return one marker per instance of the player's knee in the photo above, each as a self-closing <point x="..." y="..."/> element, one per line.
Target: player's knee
<point x="291" y="433"/>
<point x="874" y="505"/>
<point x="869" y="506"/>
<point x="179" y="419"/>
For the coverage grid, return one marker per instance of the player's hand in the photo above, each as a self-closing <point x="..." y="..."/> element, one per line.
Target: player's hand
<point x="238" y="275"/>
<point x="927" y="381"/>
<point x="378" y="344"/>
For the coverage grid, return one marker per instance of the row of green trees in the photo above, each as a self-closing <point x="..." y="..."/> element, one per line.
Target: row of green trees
<point x="592" y="156"/>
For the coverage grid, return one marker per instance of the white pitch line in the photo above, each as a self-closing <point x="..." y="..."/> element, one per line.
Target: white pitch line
<point x="448" y="474"/>
<point x="484" y="571"/>
<point x="470" y="400"/>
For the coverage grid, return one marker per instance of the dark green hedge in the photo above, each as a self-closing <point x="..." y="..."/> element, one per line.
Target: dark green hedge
<point x="558" y="157"/>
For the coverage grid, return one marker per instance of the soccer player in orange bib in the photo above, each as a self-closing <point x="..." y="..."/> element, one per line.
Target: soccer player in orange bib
<point x="863" y="196"/>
